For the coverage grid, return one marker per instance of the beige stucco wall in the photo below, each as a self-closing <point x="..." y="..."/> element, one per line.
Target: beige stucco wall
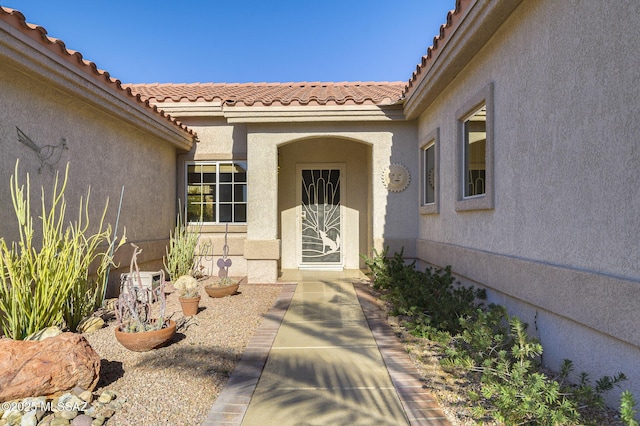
<point x="386" y="142"/>
<point x="103" y="153"/>
<point x="217" y="140"/>
<point x="356" y="159"/>
<point x="562" y="240"/>
<point x="375" y="217"/>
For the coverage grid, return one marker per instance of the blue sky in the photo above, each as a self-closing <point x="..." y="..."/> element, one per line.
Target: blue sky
<point x="238" y="41"/>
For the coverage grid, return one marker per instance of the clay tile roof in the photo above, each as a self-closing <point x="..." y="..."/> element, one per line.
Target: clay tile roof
<point x="445" y="29"/>
<point x="274" y="94"/>
<point x="17" y="20"/>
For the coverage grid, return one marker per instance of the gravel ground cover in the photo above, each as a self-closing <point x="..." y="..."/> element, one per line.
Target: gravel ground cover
<point x="177" y="384"/>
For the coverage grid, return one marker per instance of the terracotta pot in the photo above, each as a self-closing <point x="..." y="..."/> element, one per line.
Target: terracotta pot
<point x="189" y="305"/>
<point x="222" y="291"/>
<point x="146" y="340"/>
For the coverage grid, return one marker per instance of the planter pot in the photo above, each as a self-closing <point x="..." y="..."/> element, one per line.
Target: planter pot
<point x="189" y="305"/>
<point x="146" y="340"/>
<point x="218" y="291"/>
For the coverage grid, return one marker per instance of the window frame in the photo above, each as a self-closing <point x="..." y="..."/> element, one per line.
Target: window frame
<point x="217" y="202"/>
<point x="481" y="201"/>
<point x="432" y="139"/>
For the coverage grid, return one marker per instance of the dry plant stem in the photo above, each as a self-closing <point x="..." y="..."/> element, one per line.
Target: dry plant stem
<point x="133" y="310"/>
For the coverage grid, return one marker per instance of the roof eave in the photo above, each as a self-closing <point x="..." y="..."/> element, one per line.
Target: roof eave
<point x="475" y="24"/>
<point x="33" y="53"/>
<point x="319" y="113"/>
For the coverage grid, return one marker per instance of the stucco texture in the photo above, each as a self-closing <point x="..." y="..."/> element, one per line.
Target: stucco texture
<point x="562" y="238"/>
<point x="104" y="154"/>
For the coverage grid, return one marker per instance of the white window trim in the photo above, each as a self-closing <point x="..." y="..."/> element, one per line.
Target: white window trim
<point x="432" y="138"/>
<point x="186" y="189"/>
<point x="483" y="201"/>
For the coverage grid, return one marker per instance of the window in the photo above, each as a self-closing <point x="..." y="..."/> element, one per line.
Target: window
<point x="217" y="192"/>
<point x="429" y="174"/>
<point x="475" y="153"/>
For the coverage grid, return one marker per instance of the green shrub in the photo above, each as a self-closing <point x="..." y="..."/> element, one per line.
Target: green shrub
<point x="628" y="409"/>
<point x="180" y="258"/>
<point x="488" y="345"/>
<point x="433" y="297"/>
<point x="514" y="390"/>
<point x="47" y="283"/>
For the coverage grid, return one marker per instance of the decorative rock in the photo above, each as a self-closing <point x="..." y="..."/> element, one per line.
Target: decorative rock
<point x="46" y="419"/>
<point x="50" y="366"/>
<point x="91" y="411"/>
<point x="12" y="417"/>
<point x="29" y="419"/>
<point x="33" y="403"/>
<point x="82" y="420"/>
<point x="59" y="421"/>
<point x="105" y="397"/>
<point x="45" y="333"/>
<point x="86" y="396"/>
<point x="71" y="402"/>
<point x="69" y="414"/>
<point x="98" y="421"/>
<point x="90" y="324"/>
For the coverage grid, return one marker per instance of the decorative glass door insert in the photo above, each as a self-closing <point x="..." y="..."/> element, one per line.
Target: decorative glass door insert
<point x="321" y="233"/>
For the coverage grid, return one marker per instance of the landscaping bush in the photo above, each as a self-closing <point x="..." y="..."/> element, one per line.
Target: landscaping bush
<point x="47" y="283"/>
<point x="491" y="347"/>
<point x="431" y="298"/>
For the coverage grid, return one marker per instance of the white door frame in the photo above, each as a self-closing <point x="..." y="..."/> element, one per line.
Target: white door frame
<point x="299" y="216"/>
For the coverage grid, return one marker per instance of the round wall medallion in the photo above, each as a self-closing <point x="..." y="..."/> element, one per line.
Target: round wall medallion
<point x="396" y="177"/>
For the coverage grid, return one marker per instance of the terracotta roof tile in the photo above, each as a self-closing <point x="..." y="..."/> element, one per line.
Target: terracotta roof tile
<point x="17" y="20"/>
<point x="274" y="94"/>
<point x="445" y="30"/>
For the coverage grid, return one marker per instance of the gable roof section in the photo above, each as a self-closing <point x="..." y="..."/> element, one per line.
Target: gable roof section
<point x="468" y="28"/>
<point x="274" y="94"/>
<point x="88" y="70"/>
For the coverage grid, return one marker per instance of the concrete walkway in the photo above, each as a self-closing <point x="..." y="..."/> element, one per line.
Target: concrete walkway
<point x="324" y="356"/>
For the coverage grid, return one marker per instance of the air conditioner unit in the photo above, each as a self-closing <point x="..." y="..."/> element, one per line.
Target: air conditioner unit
<point x="148" y="280"/>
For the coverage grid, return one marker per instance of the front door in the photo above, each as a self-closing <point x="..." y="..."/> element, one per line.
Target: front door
<point x="320" y="228"/>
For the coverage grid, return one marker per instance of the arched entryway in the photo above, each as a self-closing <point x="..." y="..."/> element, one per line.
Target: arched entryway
<point x="324" y="203"/>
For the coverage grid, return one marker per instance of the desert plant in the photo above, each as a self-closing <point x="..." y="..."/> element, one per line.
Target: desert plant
<point x="180" y="258"/>
<point x="133" y="309"/>
<point x="187" y="286"/>
<point x="628" y="409"/>
<point x="46" y="283"/>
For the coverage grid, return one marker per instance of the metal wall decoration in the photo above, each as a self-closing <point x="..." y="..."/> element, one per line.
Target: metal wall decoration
<point x="396" y="177"/>
<point x="48" y="155"/>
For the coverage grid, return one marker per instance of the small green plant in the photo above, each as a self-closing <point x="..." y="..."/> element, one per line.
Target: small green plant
<point x="180" y="258"/>
<point x="628" y="409"/>
<point x="48" y="282"/>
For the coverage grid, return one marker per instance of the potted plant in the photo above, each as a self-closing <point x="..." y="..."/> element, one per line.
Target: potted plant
<point x="222" y="286"/>
<point x="187" y="288"/>
<point x="138" y="330"/>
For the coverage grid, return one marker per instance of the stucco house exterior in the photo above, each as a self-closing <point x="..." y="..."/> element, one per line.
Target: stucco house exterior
<point x="511" y="154"/>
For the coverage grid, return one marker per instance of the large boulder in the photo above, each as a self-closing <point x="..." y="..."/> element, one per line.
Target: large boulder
<point x="48" y="367"/>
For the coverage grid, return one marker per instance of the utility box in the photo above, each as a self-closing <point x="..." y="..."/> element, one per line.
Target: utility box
<point x="148" y="280"/>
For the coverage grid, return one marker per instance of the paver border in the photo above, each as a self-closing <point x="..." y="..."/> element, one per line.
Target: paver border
<point x="233" y="401"/>
<point x="420" y="406"/>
